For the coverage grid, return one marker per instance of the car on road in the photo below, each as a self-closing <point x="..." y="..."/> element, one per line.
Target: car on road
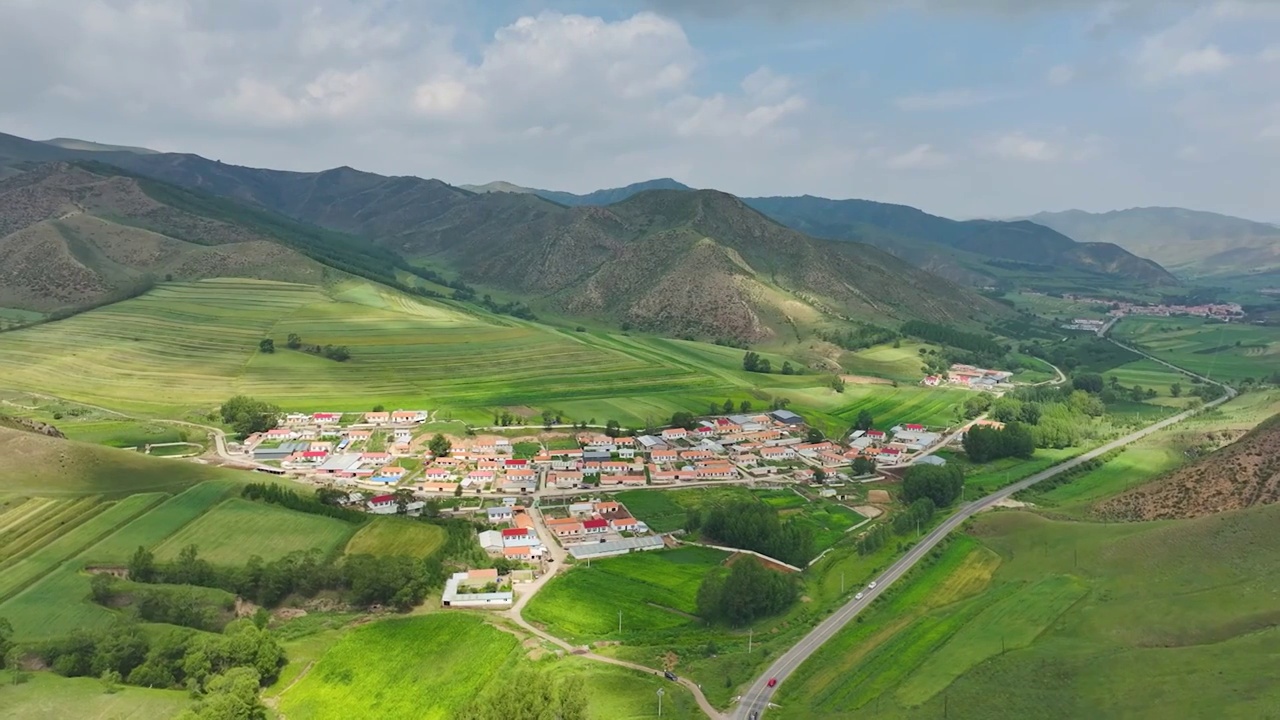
<point x="872" y="586"/>
<point x="755" y="715"/>
<point x="858" y="596"/>
<point x="669" y="675"/>
<point x="773" y="682"/>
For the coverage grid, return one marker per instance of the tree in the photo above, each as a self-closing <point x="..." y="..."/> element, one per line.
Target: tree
<point x="819" y="475"/>
<point x="548" y="418"/>
<point x="814" y="435"/>
<point x="232" y="695"/>
<point x="863" y="466"/>
<point x="787" y="369"/>
<point x="6" y="641"/>
<point x="865" y="420"/>
<point x="247" y="416"/>
<point x="942" y="485"/>
<point x="764" y="367"/>
<point x="683" y="419"/>
<point x="613" y="429"/>
<point x="267" y="345"/>
<point x="837" y="383"/>
<point x="745" y="406"/>
<point x="727" y="407"/>
<point x="142" y="566"/>
<point x="439" y="445"/>
<point x="748" y="591"/>
<point x="1175" y="390"/>
<point x="294" y="341"/>
<point x="751" y="361"/>
<point x="1090" y="383"/>
<point x="379" y="408"/>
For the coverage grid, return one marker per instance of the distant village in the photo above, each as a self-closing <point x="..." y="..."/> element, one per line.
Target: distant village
<point x="1119" y="308"/>
<point x="968" y="376"/>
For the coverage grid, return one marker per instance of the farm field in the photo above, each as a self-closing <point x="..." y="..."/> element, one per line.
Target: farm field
<point x="432" y="666"/>
<point x="655" y="591"/>
<point x="46" y="696"/>
<point x="1077" y="620"/>
<point x="987" y="477"/>
<point x="1151" y="374"/>
<point x="231" y="532"/>
<point x="396" y="536"/>
<point x="902" y="363"/>
<point x="1228" y="352"/>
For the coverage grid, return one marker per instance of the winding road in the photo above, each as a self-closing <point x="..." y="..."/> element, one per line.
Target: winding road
<point x="755" y="701"/>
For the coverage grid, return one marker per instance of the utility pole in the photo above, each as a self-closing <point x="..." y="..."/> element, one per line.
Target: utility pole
<point x="841" y="582"/>
<point x="661" y="692"/>
<point x="750" y="636"/>
<point x="619" y="622"/>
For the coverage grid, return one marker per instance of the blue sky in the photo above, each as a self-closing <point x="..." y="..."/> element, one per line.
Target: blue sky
<point x="973" y="108"/>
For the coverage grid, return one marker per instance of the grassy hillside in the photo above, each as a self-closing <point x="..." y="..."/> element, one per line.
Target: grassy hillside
<point x="1078" y="620"/>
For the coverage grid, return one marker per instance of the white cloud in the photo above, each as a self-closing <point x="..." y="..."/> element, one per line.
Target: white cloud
<point x="944" y="100"/>
<point x="1020" y="146"/>
<point x="922" y="156"/>
<point x="1060" y="74"/>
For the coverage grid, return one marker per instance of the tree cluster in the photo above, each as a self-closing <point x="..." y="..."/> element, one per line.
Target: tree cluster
<point x="861" y="337"/>
<point x="917" y="516"/>
<point x="950" y="336"/>
<point x="324" y="502"/>
<point x="746" y="592"/>
<point x="752" y="362"/>
<point x="755" y="526"/>
<point x="984" y="443"/>
<point x="173" y="659"/>
<point x="684" y="419"/>
<point x="513" y="308"/>
<point x="943" y="485"/>
<point x="439" y="445"/>
<point x="532" y="694"/>
<point x="173" y="605"/>
<point x="247" y="416"/>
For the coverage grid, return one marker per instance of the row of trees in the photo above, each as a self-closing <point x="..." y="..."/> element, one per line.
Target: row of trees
<point x="861" y="337"/>
<point x="173" y="605"/>
<point x="752" y="525"/>
<point x="986" y="443"/>
<point x="950" y="336"/>
<point x="746" y="592"/>
<point x="361" y="580"/>
<point x="338" y="353"/>
<point x="326" y="501"/>
<point x="247" y="416"/>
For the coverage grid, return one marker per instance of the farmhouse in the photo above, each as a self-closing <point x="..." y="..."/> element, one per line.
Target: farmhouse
<point x="437" y="474"/>
<point x="377" y="418"/>
<point x="777" y="454"/>
<point x="455" y="590"/>
<point x="490" y="540"/>
<point x="697" y="455"/>
<point x="581" y="508"/>
<point x="565" y="528"/>
<point x="402" y="435"/>
<point x="520" y="485"/>
<point x="675" y="434"/>
<point x="375" y="458"/>
<point x="663" y="457"/>
<point x="649" y="443"/>
<point x="358" y="435"/>
<point x="326" y="418"/>
<point x="382" y="504"/>
<point x="499" y="514"/>
<point x="390" y="473"/>
<point x="716" y="472"/>
<point x="597" y="526"/>
<point x="521" y="552"/>
<point x="408" y="416"/>
<point x="624" y="523"/>
<point x="628" y="480"/>
<point x="480" y="476"/>
<point x="438" y="487"/>
<point x="344" y="463"/>
<point x="786" y="417"/>
<point x="519" y="537"/>
<point x="564" y="480"/>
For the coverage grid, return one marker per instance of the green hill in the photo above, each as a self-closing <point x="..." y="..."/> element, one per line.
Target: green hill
<point x="1189" y="242"/>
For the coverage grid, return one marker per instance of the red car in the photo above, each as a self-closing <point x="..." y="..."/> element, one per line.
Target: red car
<point x="773" y="682"/>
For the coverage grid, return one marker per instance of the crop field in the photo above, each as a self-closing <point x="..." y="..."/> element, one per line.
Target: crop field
<point x="655" y="591"/>
<point x="1229" y="352"/>
<point x="231" y="532"/>
<point x="901" y="363"/>
<point x="1151" y="374"/>
<point x="157" y="524"/>
<point x="47" y="696"/>
<point x="934" y="407"/>
<point x="187" y="346"/>
<point x="37" y="521"/>
<point x="655" y="508"/>
<point x="396" y="536"/>
<point x="987" y="477"/>
<point x="1078" y="620"/>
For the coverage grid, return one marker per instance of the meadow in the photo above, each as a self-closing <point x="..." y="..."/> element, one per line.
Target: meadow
<point x="431" y="666"/>
<point x="1221" y="351"/>
<point x="655" y="591"/>
<point x="981" y="479"/>
<point x="1074" y="620"/>
<point x="902" y="363"/>
<point x="396" y="536"/>
<point x="236" y="528"/>
<point x="1151" y="374"/>
<point x="46" y="696"/>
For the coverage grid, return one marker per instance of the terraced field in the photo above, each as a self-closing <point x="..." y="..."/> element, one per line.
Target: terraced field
<point x="191" y="345"/>
<point x="1230" y="352"/>
<point x="235" y="529"/>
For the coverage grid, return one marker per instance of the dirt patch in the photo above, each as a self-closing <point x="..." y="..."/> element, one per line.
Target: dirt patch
<point x="1009" y="503"/>
<point x="865" y="380"/>
<point x="523" y="411"/>
<point x="772" y="565"/>
<point x="868" y="511"/>
<point x="879" y="496"/>
<point x="284" y="614"/>
<point x="114" y="570"/>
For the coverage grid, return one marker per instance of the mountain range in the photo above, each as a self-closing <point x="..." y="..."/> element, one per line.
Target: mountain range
<point x="973" y="252"/>
<point x="699" y="264"/>
<point x="1188" y="242"/>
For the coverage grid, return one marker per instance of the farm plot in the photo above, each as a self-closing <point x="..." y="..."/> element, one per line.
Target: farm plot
<point x="934" y="407"/>
<point x="655" y="508"/>
<point x="231" y="532"/>
<point x="47" y="696"/>
<point x="160" y="522"/>
<point x="396" y="536"/>
<point x="34" y="565"/>
<point x="40" y="520"/>
<point x="655" y="592"/>
<point x="1229" y="352"/>
<point x="143" y="355"/>
<point x="902" y="363"/>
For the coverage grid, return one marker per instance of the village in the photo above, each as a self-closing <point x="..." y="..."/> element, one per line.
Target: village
<point x="547" y="495"/>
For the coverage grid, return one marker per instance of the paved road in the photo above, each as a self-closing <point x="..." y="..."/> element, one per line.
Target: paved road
<point x="756" y="699"/>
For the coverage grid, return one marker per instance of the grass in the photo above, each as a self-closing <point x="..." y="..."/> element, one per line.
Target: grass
<point x="46" y="696"/>
<point x="655" y="591"/>
<point x="162" y="521"/>
<point x="985" y="478"/>
<point x="1151" y="374"/>
<point x="231" y="532"/>
<point x="121" y="433"/>
<point x="1078" y="620"/>
<point x="903" y="363"/>
<point x="1228" y="352"/>
<point x="396" y="536"/>
<point x="655" y="507"/>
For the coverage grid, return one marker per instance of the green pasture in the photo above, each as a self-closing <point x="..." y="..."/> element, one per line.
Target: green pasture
<point x="396" y="536"/>
<point x="981" y="479"/>
<point x="121" y="433"/>
<point x="152" y="528"/>
<point x="37" y="521"/>
<point x="1151" y="374"/>
<point x="1222" y="351"/>
<point x="235" y="529"/>
<point x="903" y="363"/>
<point x="1078" y="620"/>
<point x="47" y="696"/>
<point x="655" y="507"/>
<point x="655" y="592"/>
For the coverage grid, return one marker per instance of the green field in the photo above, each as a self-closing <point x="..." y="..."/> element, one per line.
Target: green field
<point x="655" y="507"/>
<point x="431" y="666"/>
<point x="1228" y="352"/>
<point x="655" y="591"/>
<point x="46" y="696"/>
<point x="231" y="532"/>
<point x="902" y="363"/>
<point x="1078" y="620"/>
<point x="1151" y="374"/>
<point x="396" y="536"/>
<point x="982" y="479"/>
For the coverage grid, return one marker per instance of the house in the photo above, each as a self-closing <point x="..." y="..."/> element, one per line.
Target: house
<point x="574" y="453"/>
<point x="786" y="417"/>
<point x="591" y="468"/>
<point x="499" y="514"/>
<point x="402" y="435"/>
<point x="608" y="508"/>
<point x="716" y="472"/>
<point x="480" y="476"/>
<point x="456" y="590"/>
<point x="614" y="467"/>
<point x="876" y="435"/>
<point x="564" y="480"/>
<point x="581" y="508"/>
<point x="359" y="435"/>
<point x="888" y="455"/>
<point x="390" y="472"/>
<point x="375" y="459"/>
<point x="831" y="460"/>
<point x="409" y="416"/>
<point x="675" y="434"/>
<point x="484" y="447"/>
<point x="491" y="540"/>
<point x="515" y="464"/>
<point x="491" y="465"/>
<point x="502" y="446"/>
<point x="344" y="463"/>
<point x="598" y="456"/>
<point x="626" y="453"/>
<point x="566" y="528"/>
<point x="437" y="474"/>
<point x="696" y="455"/>
<point x="777" y="454"/>
<point x="595" y="527"/>
<point x="520" y="537"/>
<point x="931" y="381"/>
<point x="382" y="504"/>
<point x="932" y="460"/>
<point x="803" y="475"/>
<point x="914" y="427"/>
<point x="296" y="418"/>
<point x="649" y="443"/>
<point x="314" y="456"/>
<point x="326" y="418"/>
<point x="624" y="523"/>
<point x="438" y="487"/>
<point x="542" y="459"/>
<point x="520" y="485"/>
<point x="663" y="457"/>
<point x="377" y="418"/>
<point x="522" y="552"/>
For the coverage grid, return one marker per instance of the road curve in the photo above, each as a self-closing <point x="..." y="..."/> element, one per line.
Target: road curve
<point x="756" y="698"/>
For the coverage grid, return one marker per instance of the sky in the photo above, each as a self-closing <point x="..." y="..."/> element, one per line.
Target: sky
<point x="964" y="108"/>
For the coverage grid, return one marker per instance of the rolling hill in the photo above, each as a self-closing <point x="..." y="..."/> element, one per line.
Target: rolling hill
<point x="1189" y="242"/>
<point x="1240" y="475"/>
<point x="974" y="251"/>
<point x="599" y="197"/>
